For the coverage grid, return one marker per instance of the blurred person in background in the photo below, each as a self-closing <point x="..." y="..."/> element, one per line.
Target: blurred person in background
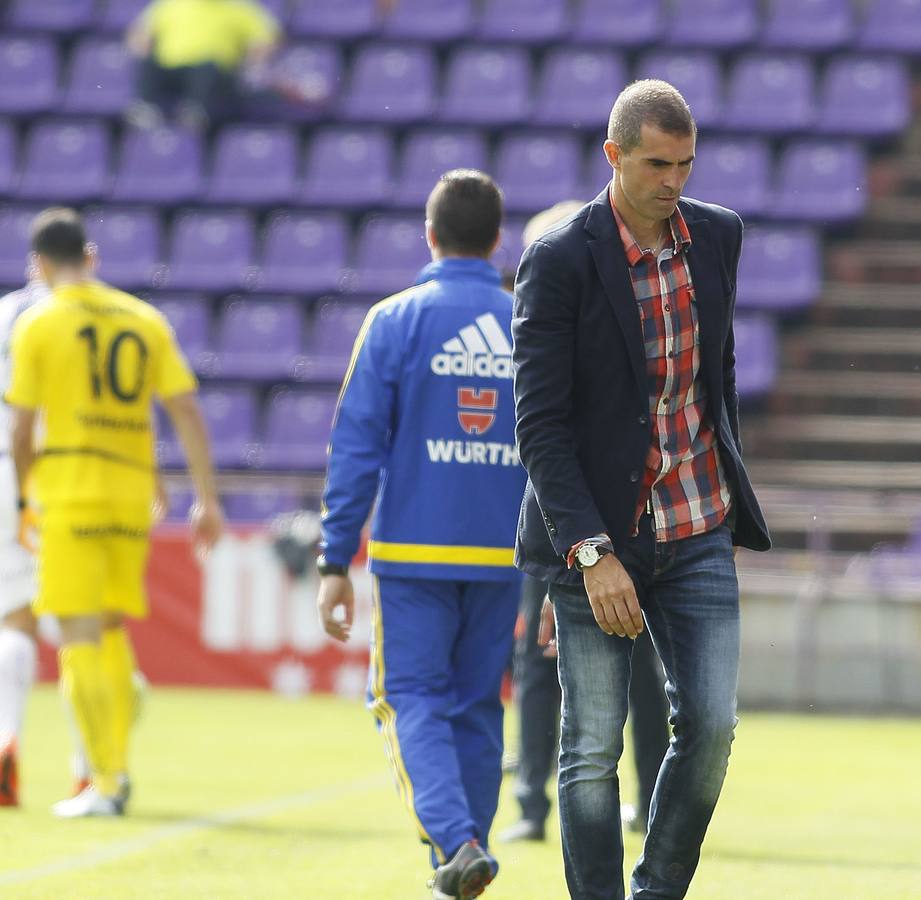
<point x="424" y="433"/>
<point x="88" y="362"/>
<point x="627" y="421"/>
<point x="192" y="55"/>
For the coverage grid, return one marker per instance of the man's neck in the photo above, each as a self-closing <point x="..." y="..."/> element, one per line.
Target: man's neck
<point x="649" y="234"/>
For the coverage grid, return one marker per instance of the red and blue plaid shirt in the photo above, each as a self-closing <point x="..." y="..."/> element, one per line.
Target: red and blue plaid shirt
<point x="684" y="480"/>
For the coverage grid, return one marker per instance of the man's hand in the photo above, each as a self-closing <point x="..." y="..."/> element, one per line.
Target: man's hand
<point x="336" y="593"/>
<point x="207" y="523"/>
<point x="613" y="598"/>
<point x="546" y="630"/>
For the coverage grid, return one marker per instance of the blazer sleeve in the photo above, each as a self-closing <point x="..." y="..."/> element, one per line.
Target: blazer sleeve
<point x="547" y="293"/>
<point x="730" y="394"/>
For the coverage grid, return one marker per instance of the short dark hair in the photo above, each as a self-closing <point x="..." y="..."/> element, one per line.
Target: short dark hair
<point x="58" y="234"/>
<point x="465" y="211"/>
<point x="648" y="102"/>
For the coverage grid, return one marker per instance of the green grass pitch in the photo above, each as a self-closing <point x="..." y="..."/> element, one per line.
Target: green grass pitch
<point x="246" y="795"/>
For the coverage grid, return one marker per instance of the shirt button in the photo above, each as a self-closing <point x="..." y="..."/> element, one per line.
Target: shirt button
<point x="643" y="419"/>
<point x="665" y="401"/>
<point x="634" y="476"/>
<point x="668" y="308"/>
<point x="671" y="354"/>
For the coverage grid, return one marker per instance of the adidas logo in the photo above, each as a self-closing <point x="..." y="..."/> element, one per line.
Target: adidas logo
<point x="480" y="349"/>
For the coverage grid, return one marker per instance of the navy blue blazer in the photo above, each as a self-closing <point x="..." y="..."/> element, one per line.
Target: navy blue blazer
<point x="581" y="395"/>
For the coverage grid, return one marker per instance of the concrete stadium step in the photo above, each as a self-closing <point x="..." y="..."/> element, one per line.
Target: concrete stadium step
<point x="871" y="475"/>
<point x="841" y="349"/>
<point x="895" y="261"/>
<point x="847" y="393"/>
<point x="869" y="306"/>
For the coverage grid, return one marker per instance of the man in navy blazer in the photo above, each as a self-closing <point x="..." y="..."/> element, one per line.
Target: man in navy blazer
<point x="627" y="423"/>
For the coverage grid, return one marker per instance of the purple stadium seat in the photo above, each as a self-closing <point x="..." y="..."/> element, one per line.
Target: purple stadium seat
<point x="508" y="255"/>
<point x="617" y="23"/>
<point x="577" y="87"/>
<point x="28" y="74"/>
<point x="771" y="93"/>
<point x="348" y="167"/>
<point x="311" y="75"/>
<point x="60" y="16"/>
<point x="719" y="24"/>
<point x="391" y="83"/>
<point x="891" y="25"/>
<point x="390" y="252"/>
<point x="537" y="171"/>
<point x="190" y="317"/>
<point x="101" y="79"/>
<point x="114" y="16"/>
<point x="7" y="158"/>
<point x="821" y="181"/>
<point x="344" y="19"/>
<point x="129" y="245"/>
<point x="428" y="154"/>
<point x="261" y="507"/>
<point x="15" y="222"/>
<point x="756" y="354"/>
<point x="65" y="162"/>
<point x="696" y="73"/>
<point x="162" y="166"/>
<point x="180" y="503"/>
<point x="304" y="253"/>
<point x="864" y="96"/>
<point x="258" y="339"/>
<point x="734" y="172"/>
<point x="211" y="252"/>
<point x="524" y="21"/>
<point x="329" y="346"/>
<point x="254" y="165"/>
<point x="780" y="269"/>
<point x="807" y="25"/>
<point x="297" y="427"/>
<point x="598" y="171"/>
<point x="487" y="86"/>
<point x="429" y="20"/>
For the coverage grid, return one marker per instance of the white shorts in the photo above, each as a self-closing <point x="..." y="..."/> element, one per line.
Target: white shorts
<point x="17" y="565"/>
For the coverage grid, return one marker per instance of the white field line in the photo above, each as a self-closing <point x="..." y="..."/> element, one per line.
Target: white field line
<point x="183" y="828"/>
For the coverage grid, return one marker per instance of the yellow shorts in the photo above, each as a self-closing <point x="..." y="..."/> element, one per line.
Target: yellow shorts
<point x="93" y="559"/>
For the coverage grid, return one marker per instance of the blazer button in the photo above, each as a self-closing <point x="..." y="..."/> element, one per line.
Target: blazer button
<point x="643" y="419"/>
<point x="634" y="476"/>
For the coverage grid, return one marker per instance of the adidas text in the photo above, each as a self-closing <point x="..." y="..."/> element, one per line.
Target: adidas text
<point x="484" y="365"/>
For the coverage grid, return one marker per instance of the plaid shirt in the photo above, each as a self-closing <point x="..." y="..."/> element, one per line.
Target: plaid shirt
<point x="684" y="479"/>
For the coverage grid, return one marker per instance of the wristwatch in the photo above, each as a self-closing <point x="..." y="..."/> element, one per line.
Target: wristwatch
<point x="589" y="554"/>
<point x="328" y="568"/>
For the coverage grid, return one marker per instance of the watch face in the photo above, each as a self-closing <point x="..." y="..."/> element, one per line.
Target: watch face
<point x="588" y="555"/>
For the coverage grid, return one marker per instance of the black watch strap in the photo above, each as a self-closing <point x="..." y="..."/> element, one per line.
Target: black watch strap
<point x="328" y="568"/>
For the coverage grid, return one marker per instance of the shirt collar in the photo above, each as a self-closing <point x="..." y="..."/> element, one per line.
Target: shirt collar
<point x="460" y="267"/>
<point x="681" y="236"/>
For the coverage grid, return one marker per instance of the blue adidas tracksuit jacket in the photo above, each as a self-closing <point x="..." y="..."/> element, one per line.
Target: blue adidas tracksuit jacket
<point x="424" y="432"/>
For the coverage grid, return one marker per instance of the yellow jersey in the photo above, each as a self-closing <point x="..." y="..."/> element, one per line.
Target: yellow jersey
<point x="90" y="359"/>
<point x="193" y="32"/>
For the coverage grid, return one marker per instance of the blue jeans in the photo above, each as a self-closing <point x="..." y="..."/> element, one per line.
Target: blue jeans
<point x="690" y="599"/>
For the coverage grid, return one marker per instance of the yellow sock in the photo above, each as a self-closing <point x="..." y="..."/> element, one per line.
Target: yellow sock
<point x="118" y="664"/>
<point x="86" y="687"/>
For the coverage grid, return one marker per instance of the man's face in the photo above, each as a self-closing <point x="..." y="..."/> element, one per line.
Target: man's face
<point x="652" y="175"/>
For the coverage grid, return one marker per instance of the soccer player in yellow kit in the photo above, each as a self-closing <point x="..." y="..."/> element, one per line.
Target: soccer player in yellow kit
<point x="87" y="362"/>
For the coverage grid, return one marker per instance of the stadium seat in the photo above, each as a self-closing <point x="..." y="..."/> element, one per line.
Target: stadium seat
<point x="297" y="426"/>
<point x="427" y="154"/>
<point x="780" y="269"/>
<point x="816" y="25"/>
<point x="756" y="350"/>
<point x="348" y="167"/>
<point x="303" y="253"/>
<point x="260" y="506"/>
<point x="329" y="344"/>
<point x="598" y="172"/>
<point x="258" y="339"/>
<point x="523" y="21"/>
<point x="391" y="83"/>
<point x="101" y="78"/>
<point x="15" y="221"/>
<point x="114" y="16"/>
<point x="309" y="75"/>
<point x="821" y="181"/>
<point x="210" y="252"/>
<point x="255" y="165"/>
<point x="508" y="254"/>
<point x="65" y="161"/>
<point x="28" y="75"/>
<point x="734" y="172"/>
<point x="771" y="93"/>
<point x="7" y="158"/>
<point x="344" y="19"/>
<point x="487" y="86"/>
<point x="893" y="25"/>
<point x="696" y="73"/>
<point x="576" y="87"/>
<point x="718" y="24"/>
<point x="864" y="96"/>
<point x="180" y="504"/>
<point x="59" y="16"/>
<point x="390" y="251"/>
<point x="190" y="317"/>
<point x="617" y="23"/>
<point x="536" y="171"/>
<point x="129" y="245"/>
<point x="429" y="20"/>
<point x="162" y="166"/>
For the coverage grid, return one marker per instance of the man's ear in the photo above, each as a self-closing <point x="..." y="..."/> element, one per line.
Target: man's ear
<point x="613" y="153"/>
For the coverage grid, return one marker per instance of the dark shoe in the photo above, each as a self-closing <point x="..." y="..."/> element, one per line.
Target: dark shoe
<point x="523" y="830"/>
<point x="464" y="876"/>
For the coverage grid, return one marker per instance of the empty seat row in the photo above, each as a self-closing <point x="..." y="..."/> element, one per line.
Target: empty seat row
<point x="253" y="507"/>
<point x="813" y="24"/>
<point x="395" y="83"/>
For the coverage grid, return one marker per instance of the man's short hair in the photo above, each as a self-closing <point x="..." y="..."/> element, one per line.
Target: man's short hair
<point x="465" y="212"/>
<point x="648" y="102"/>
<point x="58" y="234"/>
